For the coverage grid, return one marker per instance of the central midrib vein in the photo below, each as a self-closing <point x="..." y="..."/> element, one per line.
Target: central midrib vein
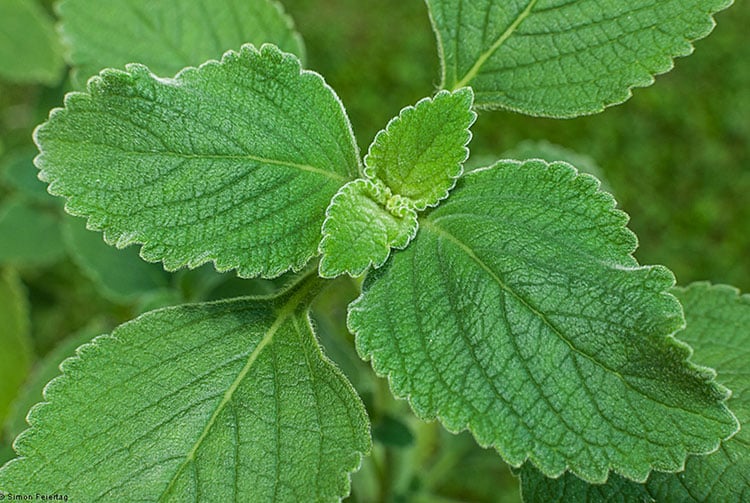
<point x="283" y="314"/>
<point x="474" y="70"/>
<point x="264" y="160"/>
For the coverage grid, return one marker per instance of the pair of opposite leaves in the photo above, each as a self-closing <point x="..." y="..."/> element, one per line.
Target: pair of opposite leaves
<point x="548" y="257"/>
<point x="412" y="164"/>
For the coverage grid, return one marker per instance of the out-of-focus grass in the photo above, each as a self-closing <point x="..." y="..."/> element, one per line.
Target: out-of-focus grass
<point x="677" y="155"/>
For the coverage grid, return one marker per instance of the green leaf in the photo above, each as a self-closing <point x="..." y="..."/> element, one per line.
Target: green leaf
<point x="168" y="36"/>
<point x="717" y="328"/>
<point x="363" y="222"/>
<point x="30" y="234"/>
<point x="119" y="274"/>
<point x="420" y="153"/>
<point x="226" y="401"/>
<point x="233" y="162"/>
<point x="411" y="164"/>
<point x="535" y="487"/>
<point x="563" y="59"/>
<point x="29" y="48"/>
<point x="550" y="152"/>
<point x="16" y="354"/>
<point x="43" y="372"/>
<point x="518" y="312"/>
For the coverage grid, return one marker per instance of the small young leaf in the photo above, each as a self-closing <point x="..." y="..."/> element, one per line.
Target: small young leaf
<point x="518" y="312"/>
<point x="420" y="153"/>
<point x="29" y="48"/>
<point x="360" y="231"/>
<point x="168" y="36"/>
<point x="226" y="401"/>
<point x="15" y="344"/>
<point x="411" y="164"/>
<point x="717" y="321"/>
<point x="563" y="59"/>
<point x="233" y="162"/>
<point x="30" y="234"/>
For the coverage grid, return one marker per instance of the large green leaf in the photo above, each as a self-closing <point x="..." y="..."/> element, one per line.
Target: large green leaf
<point x="29" y="48"/>
<point x="16" y="353"/>
<point x="226" y="401"/>
<point x="233" y="162"/>
<point x="518" y="312"/>
<point x="168" y="36"/>
<point x="563" y="59"/>
<point x="718" y="328"/>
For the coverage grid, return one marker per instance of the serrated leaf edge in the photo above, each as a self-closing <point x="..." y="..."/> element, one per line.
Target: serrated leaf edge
<point x="49" y="390"/>
<point x="397" y="387"/>
<point x="125" y="239"/>
<point x="649" y="80"/>
<point x="323" y="269"/>
<point x="369" y="171"/>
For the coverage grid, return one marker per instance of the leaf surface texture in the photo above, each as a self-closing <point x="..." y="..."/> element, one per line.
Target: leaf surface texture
<point x="233" y="162"/>
<point x="717" y="321"/>
<point x="563" y="58"/>
<point x="518" y="312"/>
<point x="168" y="36"/>
<point x="227" y="401"/>
<point x="411" y="164"/>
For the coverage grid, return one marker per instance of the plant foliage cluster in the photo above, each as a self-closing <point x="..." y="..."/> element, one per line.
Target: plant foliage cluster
<point x="291" y="313"/>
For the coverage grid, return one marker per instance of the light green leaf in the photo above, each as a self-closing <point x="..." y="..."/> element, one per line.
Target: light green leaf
<point x="168" y="36"/>
<point x="363" y="222"/>
<point x="16" y="353"/>
<point x="233" y="162"/>
<point x="563" y="59"/>
<point x="29" y="48"/>
<point x="226" y="401"/>
<point x="411" y="164"/>
<point x="30" y="234"/>
<point x="43" y="372"/>
<point x="518" y="312"/>
<point x="718" y="321"/>
<point x="421" y="152"/>
<point x="119" y="274"/>
<point x="542" y="149"/>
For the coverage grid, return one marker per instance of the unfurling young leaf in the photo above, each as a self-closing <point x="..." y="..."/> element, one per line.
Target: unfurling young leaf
<point x="518" y="312"/>
<point x="411" y="164"/>
<point x="717" y="321"/>
<point x="563" y="59"/>
<point x="233" y="162"/>
<point x="360" y="230"/>
<point x="168" y="36"/>
<point x="226" y="401"/>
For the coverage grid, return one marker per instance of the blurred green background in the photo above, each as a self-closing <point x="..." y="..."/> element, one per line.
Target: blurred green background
<point x="676" y="156"/>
